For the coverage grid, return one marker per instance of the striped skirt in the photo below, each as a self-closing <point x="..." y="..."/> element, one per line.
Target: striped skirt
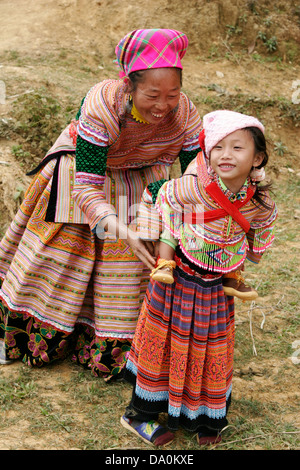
<point x="64" y="287"/>
<point x="181" y="358"/>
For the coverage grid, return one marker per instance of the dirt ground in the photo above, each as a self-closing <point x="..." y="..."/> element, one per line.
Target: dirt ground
<point x="66" y="46"/>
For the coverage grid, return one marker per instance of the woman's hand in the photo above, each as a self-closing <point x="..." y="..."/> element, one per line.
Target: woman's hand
<point x="144" y="250"/>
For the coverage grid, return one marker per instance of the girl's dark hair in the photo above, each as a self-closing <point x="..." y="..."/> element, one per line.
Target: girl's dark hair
<point x="139" y="76"/>
<point x="260" y="144"/>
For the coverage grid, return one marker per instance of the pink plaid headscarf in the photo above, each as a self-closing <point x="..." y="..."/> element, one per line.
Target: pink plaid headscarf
<point x="150" y="48"/>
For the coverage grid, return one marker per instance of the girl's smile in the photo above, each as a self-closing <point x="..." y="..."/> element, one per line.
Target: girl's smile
<point x="225" y="167"/>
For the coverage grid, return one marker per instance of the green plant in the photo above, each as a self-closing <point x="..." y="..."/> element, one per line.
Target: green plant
<point x="252" y="4"/>
<point x="280" y="148"/>
<point x="261" y="35"/>
<point x="270" y="44"/>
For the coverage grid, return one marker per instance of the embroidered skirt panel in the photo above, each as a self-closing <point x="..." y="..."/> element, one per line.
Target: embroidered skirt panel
<point x="64" y="274"/>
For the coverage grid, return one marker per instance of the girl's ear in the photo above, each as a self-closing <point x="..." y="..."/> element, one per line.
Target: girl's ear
<point x="258" y="159"/>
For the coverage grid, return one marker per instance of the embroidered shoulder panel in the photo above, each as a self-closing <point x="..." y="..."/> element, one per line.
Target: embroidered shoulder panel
<point x="214" y="245"/>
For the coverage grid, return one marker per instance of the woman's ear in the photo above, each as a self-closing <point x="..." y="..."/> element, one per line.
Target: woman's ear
<point x="129" y="85"/>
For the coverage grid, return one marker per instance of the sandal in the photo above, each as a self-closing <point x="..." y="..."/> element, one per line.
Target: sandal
<point x="234" y="284"/>
<point x="164" y="271"/>
<point x="203" y="439"/>
<point x="151" y="432"/>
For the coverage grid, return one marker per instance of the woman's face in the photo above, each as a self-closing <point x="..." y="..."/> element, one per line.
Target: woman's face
<point x="157" y="94"/>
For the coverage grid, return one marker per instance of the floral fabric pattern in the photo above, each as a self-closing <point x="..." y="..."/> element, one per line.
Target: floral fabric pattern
<point x="38" y="344"/>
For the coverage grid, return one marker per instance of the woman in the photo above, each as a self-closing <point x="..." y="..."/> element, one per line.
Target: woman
<point x="74" y="272"/>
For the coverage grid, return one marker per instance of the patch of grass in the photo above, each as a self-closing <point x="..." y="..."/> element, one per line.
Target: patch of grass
<point x="38" y="119"/>
<point x="243" y="103"/>
<point x="14" y="391"/>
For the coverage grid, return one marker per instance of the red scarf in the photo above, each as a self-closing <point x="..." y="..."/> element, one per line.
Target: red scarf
<point x="230" y="208"/>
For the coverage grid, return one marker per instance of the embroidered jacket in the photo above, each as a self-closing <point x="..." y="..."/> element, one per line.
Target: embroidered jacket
<point x="208" y="235"/>
<point x="106" y="136"/>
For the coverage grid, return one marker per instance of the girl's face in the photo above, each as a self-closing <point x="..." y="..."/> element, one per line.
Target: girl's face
<point x="157" y="94"/>
<point x="233" y="158"/>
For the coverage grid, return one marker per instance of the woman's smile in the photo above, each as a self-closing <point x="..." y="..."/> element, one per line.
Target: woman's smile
<point x="158" y="116"/>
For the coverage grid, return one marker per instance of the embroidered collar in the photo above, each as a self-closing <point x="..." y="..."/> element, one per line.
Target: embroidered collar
<point x="137" y="116"/>
<point x="240" y="195"/>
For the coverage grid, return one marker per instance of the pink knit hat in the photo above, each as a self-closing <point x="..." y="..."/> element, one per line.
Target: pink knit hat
<point x="150" y="48"/>
<point x="219" y="124"/>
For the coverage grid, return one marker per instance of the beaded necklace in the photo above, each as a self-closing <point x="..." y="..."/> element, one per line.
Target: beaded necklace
<point x="137" y="116"/>
<point x="240" y="195"/>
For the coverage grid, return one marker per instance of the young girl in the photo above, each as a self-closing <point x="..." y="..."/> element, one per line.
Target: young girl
<point x="181" y="359"/>
<point x="233" y="281"/>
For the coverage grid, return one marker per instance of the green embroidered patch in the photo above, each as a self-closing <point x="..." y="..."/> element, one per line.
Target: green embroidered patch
<point x="90" y="158"/>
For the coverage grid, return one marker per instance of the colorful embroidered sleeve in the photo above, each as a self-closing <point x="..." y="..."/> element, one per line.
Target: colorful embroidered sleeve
<point x="170" y="207"/>
<point x="261" y="235"/>
<point x="259" y="240"/>
<point x="91" y="200"/>
<point x="96" y="126"/>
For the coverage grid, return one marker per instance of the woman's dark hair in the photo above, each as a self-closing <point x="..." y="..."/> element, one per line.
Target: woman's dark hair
<point x="260" y="144"/>
<point x="139" y="76"/>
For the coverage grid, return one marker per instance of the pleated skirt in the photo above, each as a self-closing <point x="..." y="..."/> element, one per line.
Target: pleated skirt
<point x="181" y="358"/>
